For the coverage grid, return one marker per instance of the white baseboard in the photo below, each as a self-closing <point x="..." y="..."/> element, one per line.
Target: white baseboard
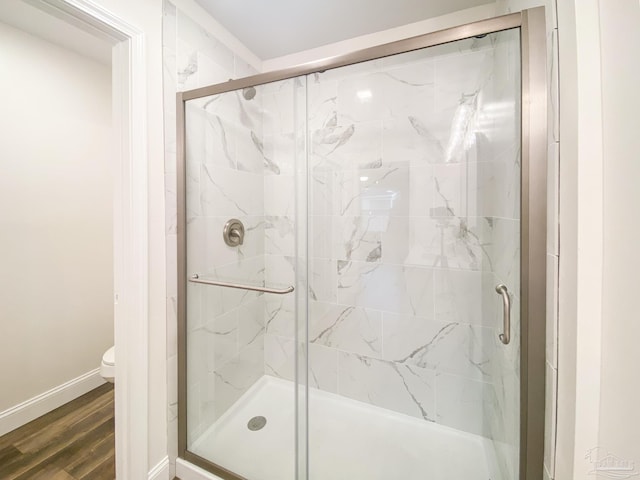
<point x="188" y="471"/>
<point x="37" y="406"/>
<point x="160" y="471"/>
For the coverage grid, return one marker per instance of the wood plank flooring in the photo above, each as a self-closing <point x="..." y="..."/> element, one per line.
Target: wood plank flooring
<point x="73" y="442"/>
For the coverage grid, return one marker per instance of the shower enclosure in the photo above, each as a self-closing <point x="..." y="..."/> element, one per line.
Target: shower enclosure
<point x="361" y="263"/>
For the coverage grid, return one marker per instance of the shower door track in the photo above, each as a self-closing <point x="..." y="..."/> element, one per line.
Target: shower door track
<point x="533" y="214"/>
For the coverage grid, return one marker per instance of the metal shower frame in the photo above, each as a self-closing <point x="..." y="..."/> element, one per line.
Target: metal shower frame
<point x="533" y="215"/>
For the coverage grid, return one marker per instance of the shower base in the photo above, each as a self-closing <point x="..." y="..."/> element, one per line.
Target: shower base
<point x="348" y="440"/>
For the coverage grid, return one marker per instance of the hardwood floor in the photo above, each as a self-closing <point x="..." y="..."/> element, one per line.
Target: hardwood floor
<point x="73" y="442"/>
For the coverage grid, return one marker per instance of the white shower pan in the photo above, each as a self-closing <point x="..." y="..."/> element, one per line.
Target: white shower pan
<point x="348" y="440"/>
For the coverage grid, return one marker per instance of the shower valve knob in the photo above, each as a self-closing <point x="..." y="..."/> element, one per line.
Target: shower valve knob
<point x="233" y="233"/>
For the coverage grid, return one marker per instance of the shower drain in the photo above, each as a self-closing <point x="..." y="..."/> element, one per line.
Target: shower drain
<point x="256" y="423"/>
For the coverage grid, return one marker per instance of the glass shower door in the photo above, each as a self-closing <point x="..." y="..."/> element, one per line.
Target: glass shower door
<point x="242" y="154"/>
<point x="352" y="239"/>
<point x="414" y="220"/>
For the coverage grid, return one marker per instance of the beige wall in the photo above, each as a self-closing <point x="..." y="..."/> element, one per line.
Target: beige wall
<point x="56" y="308"/>
<point x="620" y="383"/>
<point x="598" y="387"/>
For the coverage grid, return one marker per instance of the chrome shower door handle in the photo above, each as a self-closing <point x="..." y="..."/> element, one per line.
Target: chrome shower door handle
<point x="505" y="336"/>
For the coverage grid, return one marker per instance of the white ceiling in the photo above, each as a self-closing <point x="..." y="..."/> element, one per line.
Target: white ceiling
<point x="272" y="28"/>
<point x="34" y="21"/>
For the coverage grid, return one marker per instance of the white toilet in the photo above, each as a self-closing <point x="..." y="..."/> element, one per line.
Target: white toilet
<point x="108" y="365"/>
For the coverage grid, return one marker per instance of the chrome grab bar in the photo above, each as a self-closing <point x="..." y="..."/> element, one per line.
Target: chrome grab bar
<point x="505" y="336"/>
<point x="196" y="279"/>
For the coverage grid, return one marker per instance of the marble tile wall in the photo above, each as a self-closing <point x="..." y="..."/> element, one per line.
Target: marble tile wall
<point x="284" y="121"/>
<point x="225" y="339"/>
<point x="230" y="323"/>
<point x="414" y="177"/>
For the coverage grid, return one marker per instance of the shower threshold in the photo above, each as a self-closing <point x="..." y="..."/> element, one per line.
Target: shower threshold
<point x="348" y="440"/>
